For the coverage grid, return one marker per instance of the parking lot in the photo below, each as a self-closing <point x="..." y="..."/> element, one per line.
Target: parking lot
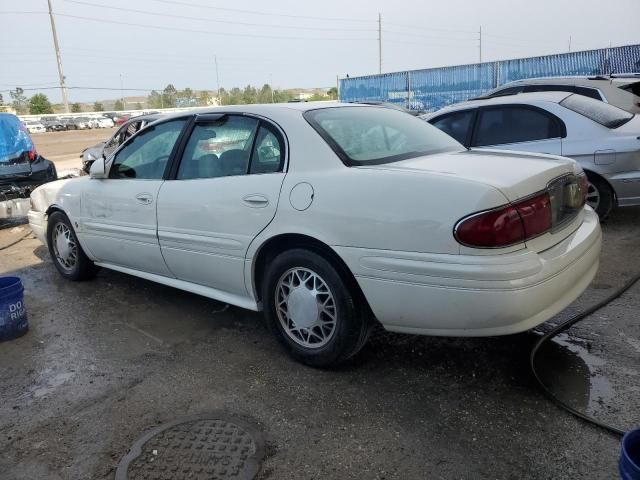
<point x="63" y="148"/>
<point x="106" y="360"/>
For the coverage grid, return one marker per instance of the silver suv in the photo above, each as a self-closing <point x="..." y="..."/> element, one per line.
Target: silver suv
<point x="621" y="90"/>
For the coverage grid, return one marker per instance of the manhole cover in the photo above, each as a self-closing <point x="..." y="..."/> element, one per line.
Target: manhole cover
<point x="204" y="447"/>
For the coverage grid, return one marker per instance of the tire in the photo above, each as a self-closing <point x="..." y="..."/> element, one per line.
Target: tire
<point x="67" y="254"/>
<point x="340" y="329"/>
<point x="600" y="196"/>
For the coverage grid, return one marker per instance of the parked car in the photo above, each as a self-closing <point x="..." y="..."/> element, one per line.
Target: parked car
<point x="82" y="123"/>
<point x="623" y="91"/>
<point x="122" y="119"/>
<point x="104" y="149"/>
<point x="54" y="125"/>
<point x="105" y="122"/>
<point x="604" y="139"/>
<point x="21" y="168"/>
<point x="69" y="123"/>
<point x="322" y="216"/>
<point x="34" y="127"/>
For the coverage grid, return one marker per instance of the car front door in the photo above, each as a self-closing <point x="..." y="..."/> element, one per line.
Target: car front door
<point x="119" y="212"/>
<point x="518" y="127"/>
<point x="223" y="192"/>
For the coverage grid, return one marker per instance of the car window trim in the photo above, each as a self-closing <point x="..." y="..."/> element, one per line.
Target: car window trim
<point x="170" y="160"/>
<point x="212" y="117"/>
<point x="558" y="121"/>
<point x="472" y="123"/>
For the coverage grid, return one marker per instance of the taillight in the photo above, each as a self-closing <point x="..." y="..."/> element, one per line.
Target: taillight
<point x="507" y="225"/>
<point x="33" y="155"/>
<point x="583" y="183"/>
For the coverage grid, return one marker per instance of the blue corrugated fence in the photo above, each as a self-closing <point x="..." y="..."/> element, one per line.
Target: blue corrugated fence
<point x="434" y="88"/>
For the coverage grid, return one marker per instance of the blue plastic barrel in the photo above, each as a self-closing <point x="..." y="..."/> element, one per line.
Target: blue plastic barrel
<point x="13" y="314"/>
<point x="630" y="456"/>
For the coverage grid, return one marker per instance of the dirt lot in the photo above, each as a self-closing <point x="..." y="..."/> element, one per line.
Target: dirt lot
<point x="63" y="148"/>
<point x="106" y="360"/>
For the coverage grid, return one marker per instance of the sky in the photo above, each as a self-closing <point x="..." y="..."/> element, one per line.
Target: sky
<point x="147" y="44"/>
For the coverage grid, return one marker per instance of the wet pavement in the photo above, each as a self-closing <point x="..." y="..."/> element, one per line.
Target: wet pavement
<point x="107" y="360"/>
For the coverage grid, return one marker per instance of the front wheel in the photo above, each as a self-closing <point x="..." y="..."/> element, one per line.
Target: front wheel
<point x="312" y="311"/>
<point x="600" y="196"/>
<point x="65" y="250"/>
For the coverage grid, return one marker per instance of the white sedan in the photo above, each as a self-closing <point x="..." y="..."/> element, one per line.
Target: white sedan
<point x="326" y="216"/>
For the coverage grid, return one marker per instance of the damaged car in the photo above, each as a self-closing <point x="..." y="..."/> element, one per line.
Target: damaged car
<point x="104" y="149"/>
<point x="21" y="168"/>
<point x="327" y="217"/>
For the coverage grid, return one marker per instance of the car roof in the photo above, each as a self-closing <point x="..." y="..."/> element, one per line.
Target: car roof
<point x="519" y="98"/>
<point x="264" y="108"/>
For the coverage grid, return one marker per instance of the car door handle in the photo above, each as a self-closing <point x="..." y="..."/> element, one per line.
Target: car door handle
<point x="256" y="201"/>
<point x="144" y="198"/>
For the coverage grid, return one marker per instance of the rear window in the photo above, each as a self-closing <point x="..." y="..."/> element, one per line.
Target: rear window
<point x="15" y="142"/>
<point x="377" y="135"/>
<point x="600" y="112"/>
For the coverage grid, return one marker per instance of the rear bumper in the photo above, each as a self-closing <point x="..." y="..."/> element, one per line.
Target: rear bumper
<point x="627" y="187"/>
<point x="476" y="295"/>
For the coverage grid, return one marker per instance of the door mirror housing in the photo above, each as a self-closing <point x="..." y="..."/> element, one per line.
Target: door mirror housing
<point x="98" y="168"/>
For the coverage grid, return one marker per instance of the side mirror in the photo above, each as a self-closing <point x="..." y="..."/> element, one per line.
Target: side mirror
<point x="98" y="169"/>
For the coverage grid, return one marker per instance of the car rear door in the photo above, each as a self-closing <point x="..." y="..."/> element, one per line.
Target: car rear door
<point x="224" y="191"/>
<point x="518" y="127"/>
<point x="119" y="224"/>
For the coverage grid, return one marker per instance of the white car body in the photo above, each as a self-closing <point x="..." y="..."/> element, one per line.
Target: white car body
<point x="613" y="154"/>
<point x="391" y="225"/>
<point x="35" y="127"/>
<point x="102" y="122"/>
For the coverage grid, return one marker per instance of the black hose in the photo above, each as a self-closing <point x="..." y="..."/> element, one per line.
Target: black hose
<point x="4" y="247"/>
<point x="564" y="326"/>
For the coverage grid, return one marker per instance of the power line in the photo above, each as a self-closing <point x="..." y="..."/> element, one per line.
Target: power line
<point x="429" y="29"/>
<point x="211" y="20"/>
<point x="190" y="30"/>
<point x="255" y="12"/>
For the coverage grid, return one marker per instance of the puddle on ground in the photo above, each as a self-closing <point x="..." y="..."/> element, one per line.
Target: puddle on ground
<point x="572" y="372"/>
<point x="51" y="384"/>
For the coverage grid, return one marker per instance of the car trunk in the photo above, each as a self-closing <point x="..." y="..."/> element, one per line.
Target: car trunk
<point x="517" y="175"/>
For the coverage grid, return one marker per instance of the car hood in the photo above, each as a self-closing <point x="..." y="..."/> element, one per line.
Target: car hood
<point x="515" y="174"/>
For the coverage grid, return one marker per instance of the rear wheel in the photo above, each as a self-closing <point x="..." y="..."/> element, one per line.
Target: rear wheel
<point x="600" y="196"/>
<point x="65" y="250"/>
<point x="312" y="311"/>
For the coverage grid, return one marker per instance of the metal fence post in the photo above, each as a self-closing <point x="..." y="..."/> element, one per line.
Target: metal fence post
<point x="409" y="90"/>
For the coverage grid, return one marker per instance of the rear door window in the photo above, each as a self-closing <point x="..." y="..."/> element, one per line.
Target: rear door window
<point x="456" y="125"/>
<point x="514" y="124"/>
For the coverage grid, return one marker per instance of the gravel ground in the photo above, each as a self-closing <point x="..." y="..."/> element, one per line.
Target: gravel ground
<point x="106" y="360"/>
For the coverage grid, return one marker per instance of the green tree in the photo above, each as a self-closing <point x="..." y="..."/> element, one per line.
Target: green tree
<point x="18" y="100"/>
<point x="317" y="97"/>
<point x="118" y="106"/>
<point x="333" y="93"/>
<point x="235" y="97"/>
<point x="266" y="94"/>
<point x="169" y="96"/>
<point x="249" y="95"/>
<point x="76" y="108"/>
<point x="204" y="98"/>
<point x="39" y="103"/>
<point x="1" y="99"/>
<point x="98" y="107"/>
<point x="154" y="100"/>
<point x="281" y="96"/>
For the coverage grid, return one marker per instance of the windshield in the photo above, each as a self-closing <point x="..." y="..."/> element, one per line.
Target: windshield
<point x="600" y="112"/>
<point x="15" y="143"/>
<point x="377" y="135"/>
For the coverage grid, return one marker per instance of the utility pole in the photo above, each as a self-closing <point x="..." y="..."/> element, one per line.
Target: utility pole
<point x="569" y="43"/>
<point x="215" y="59"/>
<point x="121" y="93"/>
<point x="63" y="89"/>
<point x="480" y="43"/>
<point x="379" y="43"/>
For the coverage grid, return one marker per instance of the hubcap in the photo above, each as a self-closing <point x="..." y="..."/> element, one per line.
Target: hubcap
<point x="593" y="196"/>
<point x="65" y="247"/>
<point x="306" y="308"/>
